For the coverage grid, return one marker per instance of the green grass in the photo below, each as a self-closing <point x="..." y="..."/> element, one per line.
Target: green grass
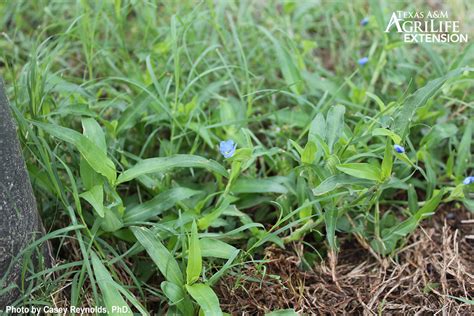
<point x="121" y="106"/>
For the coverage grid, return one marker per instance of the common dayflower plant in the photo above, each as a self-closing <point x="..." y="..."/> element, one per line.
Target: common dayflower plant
<point x="468" y="180"/>
<point x="350" y="181"/>
<point x="227" y="148"/>
<point x="399" y="149"/>
<point x="363" y="61"/>
<point x="364" y="21"/>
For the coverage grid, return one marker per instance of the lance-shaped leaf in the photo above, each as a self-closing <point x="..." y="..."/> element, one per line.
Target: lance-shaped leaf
<point x="206" y="298"/>
<point x="164" y="164"/>
<point x="95" y="156"/>
<point x="194" y="268"/>
<point x="361" y="170"/>
<point x="404" y="117"/>
<point x="160" y="255"/>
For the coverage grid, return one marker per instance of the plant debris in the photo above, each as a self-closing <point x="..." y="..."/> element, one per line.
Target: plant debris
<point x="432" y="274"/>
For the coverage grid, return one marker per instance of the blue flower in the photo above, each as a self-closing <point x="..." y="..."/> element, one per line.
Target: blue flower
<point x="364" y="21"/>
<point x="399" y="149"/>
<point x="227" y="148"/>
<point x="468" y="180"/>
<point x="363" y="61"/>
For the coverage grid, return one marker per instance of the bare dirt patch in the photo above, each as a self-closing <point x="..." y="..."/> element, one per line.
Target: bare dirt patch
<point x="425" y="277"/>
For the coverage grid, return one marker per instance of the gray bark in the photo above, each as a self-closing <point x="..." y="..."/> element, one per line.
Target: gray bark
<point x="19" y="219"/>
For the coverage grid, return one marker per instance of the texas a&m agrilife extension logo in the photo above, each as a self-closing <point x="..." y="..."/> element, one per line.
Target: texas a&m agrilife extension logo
<point x="426" y="27"/>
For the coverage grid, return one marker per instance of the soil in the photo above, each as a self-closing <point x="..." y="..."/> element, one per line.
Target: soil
<point x="430" y="275"/>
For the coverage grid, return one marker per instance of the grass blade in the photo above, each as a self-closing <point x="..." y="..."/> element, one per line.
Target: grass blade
<point x="290" y="72"/>
<point x="111" y="296"/>
<point x="283" y="312"/>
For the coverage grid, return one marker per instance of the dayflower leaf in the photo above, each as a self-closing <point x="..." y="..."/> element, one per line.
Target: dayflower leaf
<point x="361" y="170"/>
<point x="164" y="164"/>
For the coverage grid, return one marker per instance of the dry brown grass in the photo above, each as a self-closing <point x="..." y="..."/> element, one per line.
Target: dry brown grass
<point x="435" y="266"/>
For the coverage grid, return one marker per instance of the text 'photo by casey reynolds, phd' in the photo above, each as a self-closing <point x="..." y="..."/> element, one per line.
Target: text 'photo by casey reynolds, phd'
<point x="40" y="310"/>
<point x="426" y="27"/>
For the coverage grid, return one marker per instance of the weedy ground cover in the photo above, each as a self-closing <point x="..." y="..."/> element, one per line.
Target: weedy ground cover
<point x="170" y="143"/>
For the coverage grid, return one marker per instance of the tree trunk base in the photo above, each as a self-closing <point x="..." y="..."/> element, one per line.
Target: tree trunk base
<point x="20" y="223"/>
